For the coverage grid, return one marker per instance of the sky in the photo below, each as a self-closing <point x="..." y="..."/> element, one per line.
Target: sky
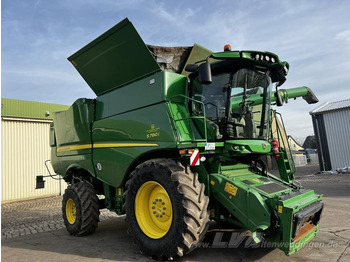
<point x="313" y="36"/>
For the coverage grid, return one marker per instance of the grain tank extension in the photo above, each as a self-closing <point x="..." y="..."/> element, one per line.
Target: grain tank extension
<point x="177" y="137"/>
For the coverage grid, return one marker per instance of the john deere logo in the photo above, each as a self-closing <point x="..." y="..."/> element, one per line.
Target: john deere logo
<point x="263" y="146"/>
<point x="153" y="132"/>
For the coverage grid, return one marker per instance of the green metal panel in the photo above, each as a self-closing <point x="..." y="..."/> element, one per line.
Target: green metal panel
<point x="243" y="201"/>
<point x="71" y="144"/>
<point x="174" y="85"/>
<point x="63" y="163"/>
<point x="73" y="128"/>
<point x="125" y="127"/>
<point x="243" y="147"/>
<point x="29" y="109"/>
<point x="155" y="88"/>
<point x="258" y="202"/>
<point x="176" y="94"/>
<point x="134" y="126"/>
<point x="126" y="137"/>
<point x="287" y="209"/>
<point x="117" y="57"/>
<point x="144" y="92"/>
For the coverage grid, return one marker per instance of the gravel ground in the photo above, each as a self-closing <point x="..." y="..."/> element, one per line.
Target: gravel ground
<point x="22" y="222"/>
<point x="35" y="216"/>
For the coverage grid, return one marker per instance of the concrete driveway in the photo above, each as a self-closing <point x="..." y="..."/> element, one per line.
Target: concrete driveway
<point x="112" y="243"/>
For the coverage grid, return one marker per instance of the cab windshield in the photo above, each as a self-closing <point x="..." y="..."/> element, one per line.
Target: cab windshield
<point x="236" y="104"/>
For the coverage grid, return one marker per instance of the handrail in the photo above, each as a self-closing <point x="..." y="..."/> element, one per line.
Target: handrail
<point x="286" y="154"/>
<point x="175" y="119"/>
<point x="289" y="147"/>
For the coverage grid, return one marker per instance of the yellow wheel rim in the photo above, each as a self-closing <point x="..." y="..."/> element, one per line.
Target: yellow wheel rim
<point x="71" y="211"/>
<point x="153" y="210"/>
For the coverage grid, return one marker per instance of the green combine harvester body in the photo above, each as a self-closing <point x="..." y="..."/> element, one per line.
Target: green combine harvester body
<point x="163" y="116"/>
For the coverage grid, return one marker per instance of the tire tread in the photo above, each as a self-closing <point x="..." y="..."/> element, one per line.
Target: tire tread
<point x="194" y="202"/>
<point x="90" y="211"/>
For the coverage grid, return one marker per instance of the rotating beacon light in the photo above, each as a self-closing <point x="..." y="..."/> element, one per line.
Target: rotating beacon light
<point x="227" y="48"/>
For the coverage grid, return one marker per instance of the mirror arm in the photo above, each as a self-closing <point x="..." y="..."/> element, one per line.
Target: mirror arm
<point x="278" y="98"/>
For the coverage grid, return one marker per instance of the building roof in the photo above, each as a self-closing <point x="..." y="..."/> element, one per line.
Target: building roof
<point x="294" y="144"/>
<point x="310" y="142"/>
<point x="331" y="106"/>
<point x="29" y="109"/>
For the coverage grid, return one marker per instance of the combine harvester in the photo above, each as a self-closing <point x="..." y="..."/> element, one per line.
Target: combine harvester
<point x="177" y="137"/>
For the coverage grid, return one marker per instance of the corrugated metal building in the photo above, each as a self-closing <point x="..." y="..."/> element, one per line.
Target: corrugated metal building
<point x="331" y="123"/>
<point x="25" y="147"/>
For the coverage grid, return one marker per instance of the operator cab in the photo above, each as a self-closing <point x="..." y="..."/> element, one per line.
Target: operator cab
<point x="236" y="100"/>
<point x="230" y="104"/>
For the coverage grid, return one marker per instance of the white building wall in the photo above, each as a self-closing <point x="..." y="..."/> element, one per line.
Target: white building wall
<point x="337" y="125"/>
<point x="300" y="160"/>
<point x="313" y="158"/>
<point x="24" y="149"/>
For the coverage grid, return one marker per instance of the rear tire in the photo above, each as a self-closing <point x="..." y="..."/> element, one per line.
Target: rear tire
<point x="166" y="208"/>
<point x="80" y="209"/>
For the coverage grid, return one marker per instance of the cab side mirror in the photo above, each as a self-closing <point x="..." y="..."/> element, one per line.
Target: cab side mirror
<point x="205" y="73"/>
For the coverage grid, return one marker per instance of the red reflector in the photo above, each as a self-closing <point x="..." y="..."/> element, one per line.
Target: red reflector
<point x="274" y="147"/>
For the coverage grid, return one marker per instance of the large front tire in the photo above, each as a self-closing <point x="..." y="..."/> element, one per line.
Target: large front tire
<point x="166" y="208"/>
<point x="80" y="209"/>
